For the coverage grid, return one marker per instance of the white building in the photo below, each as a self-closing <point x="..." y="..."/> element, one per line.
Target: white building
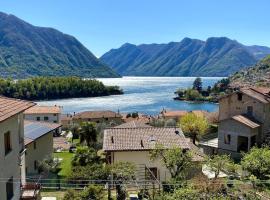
<point x="12" y="154"/>
<point x="50" y="114"/>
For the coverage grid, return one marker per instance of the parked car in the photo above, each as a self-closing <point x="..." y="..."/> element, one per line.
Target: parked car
<point x="133" y="197"/>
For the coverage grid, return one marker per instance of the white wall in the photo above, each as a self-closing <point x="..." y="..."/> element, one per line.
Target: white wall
<point x="10" y="163"/>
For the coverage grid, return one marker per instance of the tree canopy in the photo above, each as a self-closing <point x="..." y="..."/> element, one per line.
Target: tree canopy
<point x="193" y="125"/>
<point x="41" y="88"/>
<point x="257" y="162"/>
<point x="175" y="159"/>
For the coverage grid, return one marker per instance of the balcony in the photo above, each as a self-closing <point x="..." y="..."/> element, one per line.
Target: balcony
<point x="30" y="191"/>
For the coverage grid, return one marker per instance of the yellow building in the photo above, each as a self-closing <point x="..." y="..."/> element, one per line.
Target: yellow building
<point x="133" y="145"/>
<point x="38" y="140"/>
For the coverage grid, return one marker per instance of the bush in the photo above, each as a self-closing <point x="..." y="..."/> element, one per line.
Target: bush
<point x="193" y="95"/>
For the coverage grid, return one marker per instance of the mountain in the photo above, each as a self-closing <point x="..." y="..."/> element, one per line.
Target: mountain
<point x="217" y="56"/>
<point x="27" y="50"/>
<point x="257" y="75"/>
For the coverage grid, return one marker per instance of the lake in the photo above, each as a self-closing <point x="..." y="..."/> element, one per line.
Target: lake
<point x="147" y="95"/>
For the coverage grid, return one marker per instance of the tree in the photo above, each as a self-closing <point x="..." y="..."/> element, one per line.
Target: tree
<point x="88" y="133"/>
<point x="175" y="159"/>
<point x="122" y="172"/>
<point x="93" y="192"/>
<point x="84" y="156"/>
<point x="186" y="193"/>
<point x="192" y="95"/>
<point x="197" y="84"/>
<point x="193" y="125"/>
<point x="48" y="165"/>
<point x="257" y="162"/>
<point x="220" y="163"/>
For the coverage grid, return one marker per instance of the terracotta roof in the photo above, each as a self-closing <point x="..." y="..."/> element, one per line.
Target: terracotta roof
<point x="10" y="107"/>
<point x="175" y="113"/>
<point x="43" y="110"/>
<point x="246" y="121"/>
<point x="96" y="115"/>
<point x="134" y="124"/>
<point x="34" y="130"/>
<point x="66" y="117"/>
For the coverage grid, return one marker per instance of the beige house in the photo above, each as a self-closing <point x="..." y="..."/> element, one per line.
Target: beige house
<point x="133" y="145"/>
<point x="51" y="114"/>
<point x="66" y="121"/>
<point x="173" y="114"/>
<point x="244" y="120"/>
<point x="12" y="154"/>
<point x="108" y="117"/>
<point x="38" y="141"/>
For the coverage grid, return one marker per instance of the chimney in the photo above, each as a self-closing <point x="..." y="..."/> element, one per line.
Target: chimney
<point x="112" y="140"/>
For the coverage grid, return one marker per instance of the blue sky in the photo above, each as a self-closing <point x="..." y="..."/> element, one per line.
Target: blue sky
<point x="104" y="24"/>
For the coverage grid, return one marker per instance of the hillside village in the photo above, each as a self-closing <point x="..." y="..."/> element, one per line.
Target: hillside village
<point x="125" y="155"/>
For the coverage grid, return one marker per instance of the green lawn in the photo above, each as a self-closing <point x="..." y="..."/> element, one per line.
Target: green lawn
<point x="65" y="163"/>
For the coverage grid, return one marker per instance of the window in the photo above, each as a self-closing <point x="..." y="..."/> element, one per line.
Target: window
<point x="35" y="145"/>
<point x="153" y="173"/>
<point x="250" y="110"/>
<point x="46" y="118"/>
<point x="9" y="189"/>
<point x="227" y="139"/>
<point x="54" y="114"/>
<point x="7" y="142"/>
<point x="54" y="121"/>
<point x="35" y="165"/>
<point x="38" y="118"/>
<point x="239" y="96"/>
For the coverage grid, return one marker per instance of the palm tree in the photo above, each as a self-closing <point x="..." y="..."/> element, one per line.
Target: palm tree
<point x="88" y="133"/>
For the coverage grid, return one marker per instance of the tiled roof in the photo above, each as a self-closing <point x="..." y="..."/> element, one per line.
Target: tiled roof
<point x="34" y="130"/>
<point x="142" y="139"/>
<point x="175" y="113"/>
<point x="257" y="93"/>
<point x="246" y="121"/>
<point x="43" y="110"/>
<point x="134" y="124"/>
<point x="10" y="107"/>
<point x="66" y="117"/>
<point x="97" y="115"/>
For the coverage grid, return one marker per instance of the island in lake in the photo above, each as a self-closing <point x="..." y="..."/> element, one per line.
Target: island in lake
<point x="47" y="88"/>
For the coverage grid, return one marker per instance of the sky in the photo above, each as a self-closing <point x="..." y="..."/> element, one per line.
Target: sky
<point x="105" y="24"/>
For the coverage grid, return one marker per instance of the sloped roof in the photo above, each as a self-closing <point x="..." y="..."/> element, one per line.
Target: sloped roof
<point x="10" y="107"/>
<point x="134" y="124"/>
<point x="175" y="113"/>
<point x="130" y="138"/>
<point x="145" y="139"/>
<point x="246" y="121"/>
<point x="34" y="130"/>
<point x="96" y="115"/>
<point x="43" y="110"/>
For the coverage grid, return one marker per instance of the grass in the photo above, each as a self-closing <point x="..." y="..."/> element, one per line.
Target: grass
<point x="65" y="163"/>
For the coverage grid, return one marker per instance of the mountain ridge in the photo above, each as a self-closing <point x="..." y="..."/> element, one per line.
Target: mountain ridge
<point x="27" y="50"/>
<point x="217" y="56"/>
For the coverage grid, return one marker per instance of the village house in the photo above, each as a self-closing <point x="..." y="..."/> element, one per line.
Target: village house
<point x="66" y="121"/>
<point x="134" y="144"/>
<point x="12" y="151"/>
<point x="38" y="141"/>
<point x="108" y="117"/>
<point x="173" y="114"/>
<point x="51" y="114"/>
<point x="244" y="121"/>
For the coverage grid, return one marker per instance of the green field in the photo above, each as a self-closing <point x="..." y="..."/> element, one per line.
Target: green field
<point x="65" y="163"/>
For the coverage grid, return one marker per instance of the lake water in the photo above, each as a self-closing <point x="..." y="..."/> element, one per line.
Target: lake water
<point x="147" y="95"/>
